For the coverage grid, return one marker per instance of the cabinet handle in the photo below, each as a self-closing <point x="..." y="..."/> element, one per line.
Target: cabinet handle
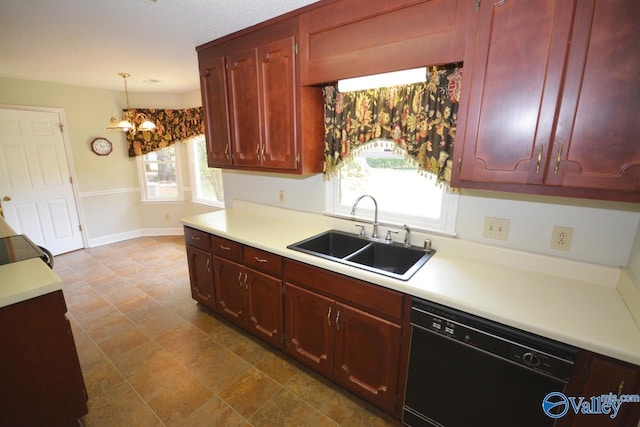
<point x="246" y="286"/>
<point x="459" y="164"/>
<point x="226" y="152"/>
<point x="338" y="320"/>
<point x="195" y="237"/>
<point x="620" y="388"/>
<point x="225" y="248"/>
<point x="258" y="151"/>
<point x="555" y="170"/>
<point x="539" y="159"/>
<point x="209" y="265"/>
<point x="263" y="153"/>
<point x="240" y="278"/>
<point x="264" y="261"/>
<point x="329" y="317"/>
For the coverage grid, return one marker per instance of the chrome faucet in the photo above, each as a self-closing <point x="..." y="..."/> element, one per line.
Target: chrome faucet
<point x="407" y="236"/>
<point x="375" y="219"/>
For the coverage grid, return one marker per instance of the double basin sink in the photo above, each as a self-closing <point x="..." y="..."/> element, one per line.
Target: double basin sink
<point x="387" y="258"/>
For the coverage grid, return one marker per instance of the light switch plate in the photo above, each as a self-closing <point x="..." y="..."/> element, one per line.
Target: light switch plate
<point x="496" y="228"/>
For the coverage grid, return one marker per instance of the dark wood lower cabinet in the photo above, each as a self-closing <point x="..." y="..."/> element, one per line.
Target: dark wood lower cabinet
<point x="336" y="336"/>
<point x="250" y="299"/>
<point x="597" y="375"/>
<point x="201" y="276"/>
<point x="41" y="381"/>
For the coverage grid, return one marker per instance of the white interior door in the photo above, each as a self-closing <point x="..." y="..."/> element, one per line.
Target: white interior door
<point x="35" y="183"/>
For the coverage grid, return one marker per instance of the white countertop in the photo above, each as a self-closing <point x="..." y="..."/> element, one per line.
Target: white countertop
<point x="23" y="280"/>
<point x="572" y="302"/>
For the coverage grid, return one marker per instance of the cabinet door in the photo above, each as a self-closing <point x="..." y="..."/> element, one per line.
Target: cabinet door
<point x="276" y="62"/>
<point x="367" y="355"/>
<point x="607" y="376"/>
<point x="244" y="105"/>
<point x="263" y="305"/>
<point x="513" y="67"/>
<point x="229" y="280"/>
<point x="201" y="276"/>
<point x="597" y="142"/>
<point x="309" y="330"/>
<point x="213" y="82"/>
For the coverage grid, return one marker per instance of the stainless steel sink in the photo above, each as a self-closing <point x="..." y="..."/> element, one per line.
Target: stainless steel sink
<point x="390" y="259"/>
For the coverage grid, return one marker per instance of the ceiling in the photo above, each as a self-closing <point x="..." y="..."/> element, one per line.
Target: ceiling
<point x="88" y="42"/>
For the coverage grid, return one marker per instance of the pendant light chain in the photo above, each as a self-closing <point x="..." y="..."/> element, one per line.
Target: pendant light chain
<point x="126" y="89"/>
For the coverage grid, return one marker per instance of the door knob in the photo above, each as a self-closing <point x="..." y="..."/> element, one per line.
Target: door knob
<point x="6" y="198"/>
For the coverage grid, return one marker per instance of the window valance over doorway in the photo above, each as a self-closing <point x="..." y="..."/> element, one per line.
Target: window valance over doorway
<point x="172" y="126"/>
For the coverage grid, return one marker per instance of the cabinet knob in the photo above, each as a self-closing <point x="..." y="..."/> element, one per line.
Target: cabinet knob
<point x="6" y="198"/>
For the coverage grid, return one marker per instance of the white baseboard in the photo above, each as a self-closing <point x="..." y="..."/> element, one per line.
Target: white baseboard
<point x="119" y="237"/>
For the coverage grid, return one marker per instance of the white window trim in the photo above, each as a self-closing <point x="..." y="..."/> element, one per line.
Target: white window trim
<point x="193" y="177"/>
<point x="144" y="193"/>
<point x="445" y="225"/>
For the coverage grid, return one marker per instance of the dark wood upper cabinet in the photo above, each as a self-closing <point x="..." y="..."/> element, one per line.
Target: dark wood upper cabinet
<point x="276" y="68"/>
<point x="213" y="84"/>
<point x="597" y="142"/>
<point x="353" y="38"/>
<point x="244" y="100"/>
<point x="551" y="99"/>
<point x="274" y="124"/>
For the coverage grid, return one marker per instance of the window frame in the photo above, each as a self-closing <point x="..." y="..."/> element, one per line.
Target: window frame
<point x="446" y="224"/>
<point x="191" y="160"/>
<point x="144" y="184"/>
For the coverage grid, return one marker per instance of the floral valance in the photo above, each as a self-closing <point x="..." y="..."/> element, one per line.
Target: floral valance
<point x="420" y="118"/>
<point x="172" y="126"/>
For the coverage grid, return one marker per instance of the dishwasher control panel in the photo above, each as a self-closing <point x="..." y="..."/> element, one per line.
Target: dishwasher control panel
<point x="519" y="347"/>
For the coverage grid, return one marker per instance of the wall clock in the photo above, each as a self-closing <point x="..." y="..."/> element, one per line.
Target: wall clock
<point x="101" y="146"/>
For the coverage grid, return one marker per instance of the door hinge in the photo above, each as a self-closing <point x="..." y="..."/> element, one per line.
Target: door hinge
<point x="61" y="127"/>
<point x="80" y="227"/>
<point x="70" y="180"/>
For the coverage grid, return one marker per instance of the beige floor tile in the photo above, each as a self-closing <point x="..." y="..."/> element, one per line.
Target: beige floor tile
<point x="283" y="409"/>
<point x="172" y="391"/>
<point x="215" y="413"/>
<point x="277" y="367"/>
<point x="250" y="392"/>
<point x="120" y="406"/>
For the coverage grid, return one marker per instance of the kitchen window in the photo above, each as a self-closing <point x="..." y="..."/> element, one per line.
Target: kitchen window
<point x="404" y="195"/>
<point x="206" y="182"/>
<point x="160" y="177"/>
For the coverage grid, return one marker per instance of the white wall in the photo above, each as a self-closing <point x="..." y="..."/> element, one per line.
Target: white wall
<point x="603" y="231"/>
<point x="108" y="186"/>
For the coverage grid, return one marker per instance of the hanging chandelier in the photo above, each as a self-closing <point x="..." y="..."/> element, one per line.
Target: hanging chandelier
<point x="128" y="120"/>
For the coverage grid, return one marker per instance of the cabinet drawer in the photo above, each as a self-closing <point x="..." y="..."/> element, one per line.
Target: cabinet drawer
<point x="372" y="298"/>
<point x="262" y="260"/>
<point x="226" y="248"/>
<point x="197" y="238"/>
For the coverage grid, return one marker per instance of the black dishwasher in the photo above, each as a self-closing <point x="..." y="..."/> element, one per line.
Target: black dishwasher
<point x="468" y="371"/>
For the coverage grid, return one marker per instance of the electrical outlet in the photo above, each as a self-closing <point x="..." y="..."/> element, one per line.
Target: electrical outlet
<point x="561" y="238"/>
<point x="281" y="196"/>
<point x="496" y="228"/>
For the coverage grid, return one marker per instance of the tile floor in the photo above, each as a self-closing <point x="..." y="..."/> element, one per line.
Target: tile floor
<point x="151" y="356"/>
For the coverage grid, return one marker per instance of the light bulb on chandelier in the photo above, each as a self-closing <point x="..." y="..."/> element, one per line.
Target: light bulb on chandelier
<point x="126" y="123"/>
